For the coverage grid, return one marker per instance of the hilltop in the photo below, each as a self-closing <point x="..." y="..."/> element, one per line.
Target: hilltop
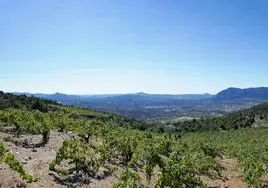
<point x="260" y="93"/>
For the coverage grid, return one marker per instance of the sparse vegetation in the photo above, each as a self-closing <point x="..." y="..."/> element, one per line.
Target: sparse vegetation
<point x="14" y="164"/>
<point x="112" y="144"/>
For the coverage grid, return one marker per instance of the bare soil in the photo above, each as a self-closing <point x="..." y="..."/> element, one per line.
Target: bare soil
<point x="232" y="176"/>
<point x="36" y="161"/>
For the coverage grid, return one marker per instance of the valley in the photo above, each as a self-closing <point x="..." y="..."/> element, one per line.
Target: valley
<point x="162" y="107"/>
<point x="46" y="144"/>
<point x="133" y="94"/>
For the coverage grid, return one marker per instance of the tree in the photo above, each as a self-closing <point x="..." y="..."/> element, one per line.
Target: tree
<point x="38" y="105"/>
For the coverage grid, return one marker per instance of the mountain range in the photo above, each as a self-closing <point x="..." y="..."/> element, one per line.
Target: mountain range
<point x="159" y="107"/>
<point x="260" y="93"/>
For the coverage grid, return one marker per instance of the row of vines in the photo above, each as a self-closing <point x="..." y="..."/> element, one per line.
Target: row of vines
<point x="166" y="159"/>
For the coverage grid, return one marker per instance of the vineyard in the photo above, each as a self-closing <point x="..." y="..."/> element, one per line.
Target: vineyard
<point x="248" y="146"/>
<point x="96" y="146"/>
<point x="88" y="148"/>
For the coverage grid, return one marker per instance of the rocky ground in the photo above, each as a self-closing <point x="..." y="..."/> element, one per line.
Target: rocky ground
<point x="232" y="176"/>
<point x="36" y="161"/>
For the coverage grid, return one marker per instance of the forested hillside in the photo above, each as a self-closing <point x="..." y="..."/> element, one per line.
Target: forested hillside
<point x="8" y="100"/>
<point x="236" y="120"/>
<point x="75" y="147"/>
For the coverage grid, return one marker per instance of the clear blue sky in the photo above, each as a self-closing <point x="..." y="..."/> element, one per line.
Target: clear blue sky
<point x="122" y="46"/>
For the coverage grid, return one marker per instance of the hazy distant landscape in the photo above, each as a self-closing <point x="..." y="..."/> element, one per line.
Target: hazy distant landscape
<point x="165" y="108"/>
<point x="107" y="148"/>
<point x="134" y="94"/>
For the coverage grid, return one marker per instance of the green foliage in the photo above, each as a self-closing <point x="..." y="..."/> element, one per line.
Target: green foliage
<point x="14" y="164"/>
<point x="241" y="119"/>
<point x="107" y="139"/>
<point x="85" y="159"/>
<point x="248" y="146"/>
<point x="128" y="179"/>
<point x="34" y="122"/>
<point x="178" y="163"/>
<point x="79" y="111"/>
<point x="39" y="105"/>
<point x="253" y="172"/>
<point x="178" y="173"/>
<point x="8" y="100"/>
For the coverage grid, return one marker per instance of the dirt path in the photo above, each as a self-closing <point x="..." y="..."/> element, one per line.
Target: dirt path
<point x="232" y="176"/>
<point x="36" y="160"/>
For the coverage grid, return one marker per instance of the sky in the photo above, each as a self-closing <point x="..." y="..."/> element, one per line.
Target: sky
<point x="128" y="46"/>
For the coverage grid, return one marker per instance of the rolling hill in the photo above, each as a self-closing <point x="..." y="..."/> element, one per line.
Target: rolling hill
<point x="46" y="144"/>
<point x="260" y="93"/>
<point x="165" y="107"/>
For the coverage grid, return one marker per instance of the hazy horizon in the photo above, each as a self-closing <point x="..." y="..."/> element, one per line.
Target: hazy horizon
<point x="102" y="47"/>
<point x="88" y="94"/>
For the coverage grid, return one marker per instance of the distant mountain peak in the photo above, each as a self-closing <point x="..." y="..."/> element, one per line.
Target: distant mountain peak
<point x="258" y="93"/>
<point x="141" y="93"/>
<point x="57" y="93"/>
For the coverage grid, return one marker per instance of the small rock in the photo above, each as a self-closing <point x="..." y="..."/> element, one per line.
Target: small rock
<point x="99" y="176"/>
<point x="34" y="150"/>
<point x="10" y="129"/>
<point x="1" y="167"/>
<point x="20" y="185"/>
<point x="226" y="185"/>
<point x="24" y="162"/>
<point x="70" y="186"/>
<point x="189" y="186"/>
<point x="30" y="158"/>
